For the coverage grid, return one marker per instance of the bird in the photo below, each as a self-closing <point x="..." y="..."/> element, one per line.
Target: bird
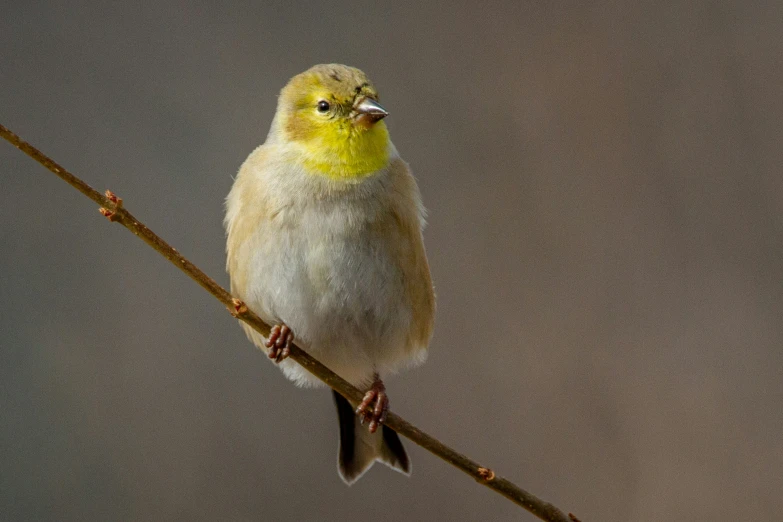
<point x="324" y="227"/>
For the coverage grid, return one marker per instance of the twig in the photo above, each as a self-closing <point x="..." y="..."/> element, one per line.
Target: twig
<point x="112" y="208"/>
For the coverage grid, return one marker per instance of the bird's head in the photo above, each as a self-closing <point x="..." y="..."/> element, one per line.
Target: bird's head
<point x="332" y="113"/>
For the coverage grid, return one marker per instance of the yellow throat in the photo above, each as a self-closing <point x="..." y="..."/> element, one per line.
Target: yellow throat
<point x="344" y="151"/>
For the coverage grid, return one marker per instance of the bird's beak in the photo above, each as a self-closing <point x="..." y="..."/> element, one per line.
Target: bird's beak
<point x="369" y="111"/>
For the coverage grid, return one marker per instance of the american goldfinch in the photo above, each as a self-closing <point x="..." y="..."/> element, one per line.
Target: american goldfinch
<point x="324" y="226"/>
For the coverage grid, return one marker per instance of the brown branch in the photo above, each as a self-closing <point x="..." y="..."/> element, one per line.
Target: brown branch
<point x="112" y="208"/>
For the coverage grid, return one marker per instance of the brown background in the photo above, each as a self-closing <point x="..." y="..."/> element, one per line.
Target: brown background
<point x="606" y="224"/>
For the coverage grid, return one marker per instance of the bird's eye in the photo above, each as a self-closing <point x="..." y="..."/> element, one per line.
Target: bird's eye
<point x="323" y="106"/>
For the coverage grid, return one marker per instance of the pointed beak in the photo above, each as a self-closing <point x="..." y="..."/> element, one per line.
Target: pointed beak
<point x="369" y="111"/>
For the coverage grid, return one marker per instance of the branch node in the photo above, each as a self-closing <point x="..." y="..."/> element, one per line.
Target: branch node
<point x="573" y="517"/>
<point x="486" y="474"/>
<point x="240" y="308"/>
<point x="111" y="213"/>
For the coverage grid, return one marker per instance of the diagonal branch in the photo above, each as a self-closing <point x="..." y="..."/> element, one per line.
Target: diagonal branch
<point x="112" y="208"/>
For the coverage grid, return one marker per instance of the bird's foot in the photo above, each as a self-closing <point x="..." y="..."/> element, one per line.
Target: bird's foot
<point x="279" y="342"/>
<point x="375" y="405"/>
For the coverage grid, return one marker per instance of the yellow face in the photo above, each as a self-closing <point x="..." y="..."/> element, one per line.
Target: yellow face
<point x="332" y="111"/>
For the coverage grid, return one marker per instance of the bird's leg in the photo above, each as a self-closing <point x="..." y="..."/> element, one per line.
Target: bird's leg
<point x="279" y="342"/>
<point x="375" y="405"/>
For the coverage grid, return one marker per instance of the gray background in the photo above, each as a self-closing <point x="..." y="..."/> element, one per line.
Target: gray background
<point x="606" y="219"/>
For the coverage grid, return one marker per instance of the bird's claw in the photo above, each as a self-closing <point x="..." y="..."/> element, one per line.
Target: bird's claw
<point x="374" y="406"/>
<point x="279" y="342"/>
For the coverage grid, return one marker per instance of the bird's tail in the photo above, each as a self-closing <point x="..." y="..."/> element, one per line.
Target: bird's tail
<point x="359" y="448"/>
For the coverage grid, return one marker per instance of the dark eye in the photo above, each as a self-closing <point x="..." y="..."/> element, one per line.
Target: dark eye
<point x="323" y="106"/>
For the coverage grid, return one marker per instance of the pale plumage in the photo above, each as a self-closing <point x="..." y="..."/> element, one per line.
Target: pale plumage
<point x="334" y="252"/>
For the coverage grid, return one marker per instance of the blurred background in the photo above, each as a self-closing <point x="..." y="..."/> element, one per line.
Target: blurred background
<point x="605" y="234"/>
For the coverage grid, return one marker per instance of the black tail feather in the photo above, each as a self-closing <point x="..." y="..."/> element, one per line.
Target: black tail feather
<point x="345" y="415"/>
<point x="398" y="456"/>
<point x="359" y="448"/>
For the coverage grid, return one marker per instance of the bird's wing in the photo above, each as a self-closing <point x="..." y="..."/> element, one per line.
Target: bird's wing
<point x="408" y="213"/>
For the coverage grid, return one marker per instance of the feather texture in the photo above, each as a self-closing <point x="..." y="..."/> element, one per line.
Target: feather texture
<point x="341" y="263"/>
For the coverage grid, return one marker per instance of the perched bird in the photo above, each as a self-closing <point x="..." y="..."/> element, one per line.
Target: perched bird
<point x="324" y="226"/>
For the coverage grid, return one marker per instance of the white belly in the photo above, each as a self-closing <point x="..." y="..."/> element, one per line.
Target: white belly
<point x="329" y="276"/>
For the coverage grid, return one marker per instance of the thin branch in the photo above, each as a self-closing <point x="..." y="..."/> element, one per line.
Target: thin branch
<point x="112" y="208"/>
